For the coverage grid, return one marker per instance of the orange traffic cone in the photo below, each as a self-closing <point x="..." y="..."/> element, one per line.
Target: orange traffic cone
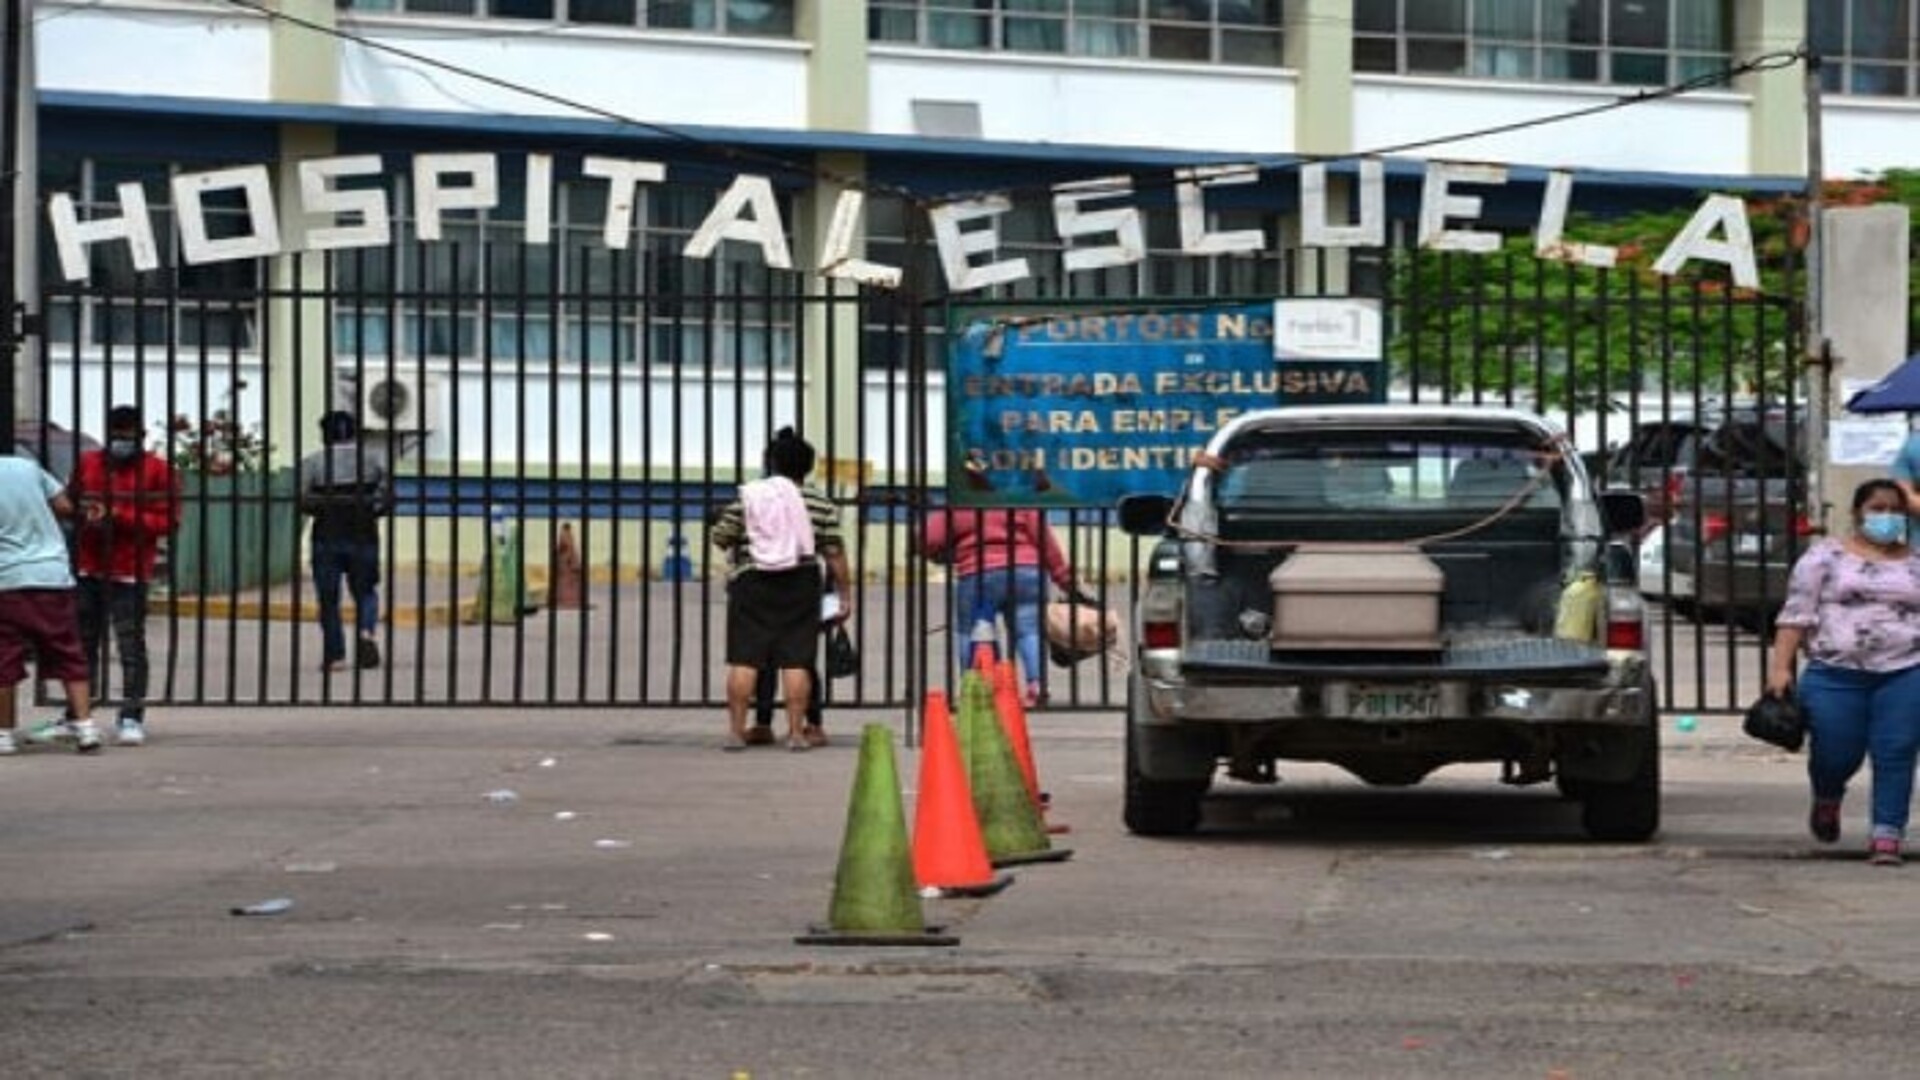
<point x="1013" y="719"/>
<point x="569" y="580"/>
<point x="949" y="855"/>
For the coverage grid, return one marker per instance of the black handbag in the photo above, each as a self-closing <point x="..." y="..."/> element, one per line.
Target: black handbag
<point x="843" y="660"/>
<point x="1776" y="720"/>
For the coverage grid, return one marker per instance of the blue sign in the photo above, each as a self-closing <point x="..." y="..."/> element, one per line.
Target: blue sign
<point x="1071" y="409"/>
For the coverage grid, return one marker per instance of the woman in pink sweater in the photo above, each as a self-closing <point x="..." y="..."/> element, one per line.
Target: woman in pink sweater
<point x="1001" y="560"/>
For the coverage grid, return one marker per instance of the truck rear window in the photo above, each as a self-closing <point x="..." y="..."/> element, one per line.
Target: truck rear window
<point x="1393" y="475"/>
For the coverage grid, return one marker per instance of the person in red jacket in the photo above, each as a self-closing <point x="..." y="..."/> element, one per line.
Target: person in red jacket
<point x="125" y="503"/>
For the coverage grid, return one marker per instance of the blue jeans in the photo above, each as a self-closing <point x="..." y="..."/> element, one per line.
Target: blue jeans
<point x="1016" y="595"/>
<point x="360" y="563"/>
<point x="1853" y="714"/>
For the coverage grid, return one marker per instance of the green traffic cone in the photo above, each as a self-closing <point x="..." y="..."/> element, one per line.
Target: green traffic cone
<point x="875" y="898"/>
<point x="1010" y="824"/>
<point x="975" y="695"/>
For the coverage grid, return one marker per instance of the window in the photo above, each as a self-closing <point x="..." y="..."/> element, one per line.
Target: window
<point x="749" y="18"/>
<point x="1620" y="42"/>
<point x="1866" y="46"/>
<point x="1188" y="31"/>
<point x="217" y="305"/>
<point x="483" y="294"/>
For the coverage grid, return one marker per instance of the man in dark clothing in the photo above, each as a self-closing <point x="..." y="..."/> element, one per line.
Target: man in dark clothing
<point x="346" y="488"/>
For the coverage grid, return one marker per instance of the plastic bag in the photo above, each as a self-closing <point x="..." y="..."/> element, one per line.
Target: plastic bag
<point x="1776" y="720"/>
<point x="843" y="660"/>
<point x="1078" y="630"/>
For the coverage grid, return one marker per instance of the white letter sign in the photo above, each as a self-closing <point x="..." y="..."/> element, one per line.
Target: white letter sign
<point x="1437" y="204"/>
<point x="838" y="260"/>
<point x="1122" y="222"/>
<point x="189" y="203"/>
<point x="1736" y="250"/>
<point x="71" y="235"/>
<point x="725" y="223"/>
<point x="1549" y="240"/>
<point x="432" y="198"/>
<point x="957" y="245"/>
<point x="1194" y="237"/>
<point x="623" y="179"/>
<point x="1372" y="196"/>
<point x="368" y="204"/>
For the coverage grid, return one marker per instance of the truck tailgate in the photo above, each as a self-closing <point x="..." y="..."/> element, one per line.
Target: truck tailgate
<point x="1519" y="659"/>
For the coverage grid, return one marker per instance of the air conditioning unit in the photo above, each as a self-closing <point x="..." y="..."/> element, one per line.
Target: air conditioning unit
<point x="402" y="401"/>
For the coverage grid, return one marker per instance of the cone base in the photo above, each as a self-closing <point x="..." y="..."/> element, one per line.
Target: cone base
<point x="818" y="934"/>
<point x="1021" y="858"/>
<point x="987" y="888"/>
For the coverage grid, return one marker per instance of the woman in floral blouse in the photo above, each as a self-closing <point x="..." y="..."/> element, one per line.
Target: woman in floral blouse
<point x="1854" y="605"/>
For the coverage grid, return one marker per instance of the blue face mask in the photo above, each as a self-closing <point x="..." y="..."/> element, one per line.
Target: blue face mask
<point x="1884" y="528"/>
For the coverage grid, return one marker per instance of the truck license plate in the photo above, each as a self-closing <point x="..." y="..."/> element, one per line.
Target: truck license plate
<point x="1414" y="701"/>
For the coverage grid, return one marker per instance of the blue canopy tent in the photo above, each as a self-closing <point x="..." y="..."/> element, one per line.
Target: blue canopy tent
<point x="1899" y="391"/>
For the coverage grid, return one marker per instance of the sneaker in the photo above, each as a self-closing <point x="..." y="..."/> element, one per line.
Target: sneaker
<point x="1823" y="821"/>
<point x="1884" y="851"/>
<point x="86" y="737"/>
<point x="7" y="746"/>
<point x="48" y="732"/>
<point x="366" y="653"/>
<point x="129" y="732"/>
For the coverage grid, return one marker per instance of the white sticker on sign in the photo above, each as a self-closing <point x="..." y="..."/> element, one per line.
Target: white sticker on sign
<point x="1322" y="329"/>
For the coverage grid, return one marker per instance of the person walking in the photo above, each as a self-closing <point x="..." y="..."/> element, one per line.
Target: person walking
<point x="1001" y="561"/>
<point x="1853" y="605"/>
<point x="125" y="503"/>
<point x="346" y="488"/>
<point x="779" y="536"/>
<point x="39" y="614"/>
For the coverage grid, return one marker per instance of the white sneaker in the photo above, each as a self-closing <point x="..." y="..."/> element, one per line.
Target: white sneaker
<point x="7" y="746"/>
<point x="86" y="737"/>
<point x="48" y="732"/>
<point x="129" y="732"/>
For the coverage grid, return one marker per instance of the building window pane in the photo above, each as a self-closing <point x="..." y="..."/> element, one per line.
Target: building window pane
<point x="1575" y="22"/>
<point x="1251" y="13"/>
<point x="760" y="18"/>
<point x="1503" y="61"/>
<point x="680" y="14"/>
<point x="1637" y="23"/>
<point x="1428" y="56"/>
<point x="1827" y="27"/>
<point x="946" y="30"/>
<point x="441" y="7"/>
<point x="1185" y="10"/>
<point x="1696" y="67"/>
<point x="1375" y="54"/>
<point x="1437" y="17"/>
<point x="1570" y="65"/>
<point x="892" y="24"/>
<point x="1251" y="47"/>
<point x="1889" y="80"/>
<point x="1503" y="19"/>
<point x="1180" y="43"/>
<point x="1037" y="7"/>
<point x="1639" y="69"/>
<point x="1091" y="38"/>
<point x="1375" y="16"/>
<point x="603" y="12"/>
<point x="1035" y="35"/>
<point x="1702" y="24"/>
<point x="520" y="9"/>
<point x="1879" y="29"/>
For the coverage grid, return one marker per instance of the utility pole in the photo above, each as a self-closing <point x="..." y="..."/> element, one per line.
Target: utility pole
<point x="18" y="174"/>
<point x="1816" y="357"/>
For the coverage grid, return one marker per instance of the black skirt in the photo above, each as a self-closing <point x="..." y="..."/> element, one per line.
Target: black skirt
<point x="773" y="619"/>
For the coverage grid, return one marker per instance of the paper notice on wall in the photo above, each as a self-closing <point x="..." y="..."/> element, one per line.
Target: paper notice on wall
<point x="1865" y="440"/>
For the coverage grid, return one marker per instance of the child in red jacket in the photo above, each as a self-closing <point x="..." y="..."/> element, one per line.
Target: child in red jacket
<point x="126" y="503"/>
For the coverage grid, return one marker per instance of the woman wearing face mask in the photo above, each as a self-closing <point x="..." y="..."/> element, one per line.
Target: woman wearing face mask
<point x="1854" y="605"/>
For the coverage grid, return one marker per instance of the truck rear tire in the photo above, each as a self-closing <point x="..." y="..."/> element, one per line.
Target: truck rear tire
<point x="1157" y="807"/>
<point x="1627" y="811"/>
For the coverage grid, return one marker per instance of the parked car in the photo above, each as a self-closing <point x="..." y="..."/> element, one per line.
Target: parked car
<point x="1728" y="490"/>
<point x="1386" y="588"/>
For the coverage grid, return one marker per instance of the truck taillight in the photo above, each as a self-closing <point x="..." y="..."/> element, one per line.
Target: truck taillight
<point x="1160" y="635"/>
<point x="1626" y="620"/>
<point x="1713" y="527"/>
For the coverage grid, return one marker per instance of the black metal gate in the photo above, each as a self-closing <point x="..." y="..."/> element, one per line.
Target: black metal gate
<point x="618" y="404"/>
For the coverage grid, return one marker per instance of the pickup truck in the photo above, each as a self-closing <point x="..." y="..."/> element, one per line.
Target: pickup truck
<point x="1519" y="639"/>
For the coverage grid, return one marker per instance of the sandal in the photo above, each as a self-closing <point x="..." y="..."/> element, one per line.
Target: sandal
<point x="798" y="744"/>
<point x="733" y="743"/>
<point x="814" y="734"/>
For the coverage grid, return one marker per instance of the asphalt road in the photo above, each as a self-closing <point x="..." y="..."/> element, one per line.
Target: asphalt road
<point x="1315" y="928"/>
